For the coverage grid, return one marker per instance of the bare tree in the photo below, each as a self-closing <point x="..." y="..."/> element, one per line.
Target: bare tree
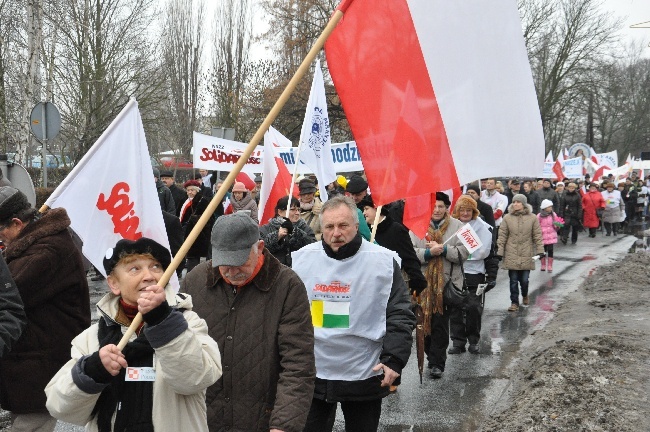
<point x="103" y="56"/>
<point x="230" y="62"/>
<point x="182" y="52"/>
<point x="564" y="45"/>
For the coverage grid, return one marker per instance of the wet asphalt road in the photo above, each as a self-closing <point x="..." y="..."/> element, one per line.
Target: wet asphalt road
<point x="473" y="384"/>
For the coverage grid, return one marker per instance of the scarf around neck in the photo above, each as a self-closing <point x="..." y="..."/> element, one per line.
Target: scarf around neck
<point x="431" y="298"/>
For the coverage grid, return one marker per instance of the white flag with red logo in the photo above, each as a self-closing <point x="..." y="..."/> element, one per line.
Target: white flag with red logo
<point x="469" y="238"/>
<point x="111" y="194"/>
<point x="276" y="179"/>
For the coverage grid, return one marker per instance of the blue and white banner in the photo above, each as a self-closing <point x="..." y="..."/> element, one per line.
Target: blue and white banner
<point x="218" y="154"/>
<point x="573" y="167"/>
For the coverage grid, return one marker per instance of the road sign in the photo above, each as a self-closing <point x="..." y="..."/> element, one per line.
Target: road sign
<point x="45" y="121"/>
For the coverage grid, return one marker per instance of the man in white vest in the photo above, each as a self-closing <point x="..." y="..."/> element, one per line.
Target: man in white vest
<point x="362" y="320"/>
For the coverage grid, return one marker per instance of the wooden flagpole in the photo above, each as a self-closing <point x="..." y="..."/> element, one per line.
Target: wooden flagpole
<point x="271" y="116"/>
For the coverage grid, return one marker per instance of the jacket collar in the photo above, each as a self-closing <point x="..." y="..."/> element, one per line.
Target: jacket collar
<point x="52" y="222"/>
<point x="263" y="281"/>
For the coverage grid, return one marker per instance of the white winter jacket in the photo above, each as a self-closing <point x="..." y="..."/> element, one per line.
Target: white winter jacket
<point x="185" y="366"/>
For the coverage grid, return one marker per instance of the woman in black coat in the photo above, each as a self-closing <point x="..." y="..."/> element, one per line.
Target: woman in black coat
<point x="394" y="236"/>
<point x="191" y="211"/>
<point x="571" y="212"/>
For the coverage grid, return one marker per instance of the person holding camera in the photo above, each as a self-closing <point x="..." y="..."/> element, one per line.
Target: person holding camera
<point x="286" y="233"/>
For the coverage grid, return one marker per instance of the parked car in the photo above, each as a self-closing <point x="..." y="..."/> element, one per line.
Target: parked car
<point x="175" y="162"/>
<point x="52" y="161"/>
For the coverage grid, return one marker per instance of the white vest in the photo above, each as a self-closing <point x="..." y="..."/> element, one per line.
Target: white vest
<point x="348" y="303"/>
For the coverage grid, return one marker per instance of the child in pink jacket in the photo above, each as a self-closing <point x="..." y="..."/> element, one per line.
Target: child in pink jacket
<point x="550" y="224"/>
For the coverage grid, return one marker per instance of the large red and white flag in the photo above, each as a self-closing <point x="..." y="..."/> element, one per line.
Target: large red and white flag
<point x="437" y="93"/>
<point x="111" y="193"/>
<point x="276" y="179"/>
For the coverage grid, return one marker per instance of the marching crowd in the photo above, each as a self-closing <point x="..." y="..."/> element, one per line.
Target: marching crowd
<point x="274" y="325"/>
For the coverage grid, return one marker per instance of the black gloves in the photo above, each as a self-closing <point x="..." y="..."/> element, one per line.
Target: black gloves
<point x="542" y="255"/>
<point x="288" y="225"/>
<point x="417" y="285"/>
<point x="490" y="284"/>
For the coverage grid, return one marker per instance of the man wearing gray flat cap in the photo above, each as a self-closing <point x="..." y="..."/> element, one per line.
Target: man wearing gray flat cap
<point x="257" y="311"/>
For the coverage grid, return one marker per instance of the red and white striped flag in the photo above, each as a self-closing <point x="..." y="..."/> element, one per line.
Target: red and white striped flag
<point x="434" y="94"/>
<point x="276" y="179"/>
<point x="111" y="193"/>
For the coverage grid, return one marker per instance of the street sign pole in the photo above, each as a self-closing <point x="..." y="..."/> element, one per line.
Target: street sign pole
<point x="45" y="123"/>
<point x="44" y="148"/>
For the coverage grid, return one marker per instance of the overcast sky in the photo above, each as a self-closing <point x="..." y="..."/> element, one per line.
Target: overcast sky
<point x="633" y="12"/>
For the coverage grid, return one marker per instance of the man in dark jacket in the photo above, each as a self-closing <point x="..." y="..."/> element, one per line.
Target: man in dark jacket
<point x="547" y="192"/>
<point x="257" y="311"/>
<point x="362" y="319"/>
<point x="178" y="194"/>
<point x="49" y="273"/>
<point x="395" y="236"/>
<point x="532" y="196"/>
<point x="164" y="194"/>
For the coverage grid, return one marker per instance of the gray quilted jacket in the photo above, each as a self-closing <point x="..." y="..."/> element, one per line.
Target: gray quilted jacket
<point x="266" y="340"/>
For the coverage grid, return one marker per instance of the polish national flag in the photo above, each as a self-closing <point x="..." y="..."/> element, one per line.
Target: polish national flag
<point x="436" y="93"/>
<point x="566" y="154"/>
<point x="557" y="169"/>
<point x="276" y="179"/>
<point x="111" y="193"/>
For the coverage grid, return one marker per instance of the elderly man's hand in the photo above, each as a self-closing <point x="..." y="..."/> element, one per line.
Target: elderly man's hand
<point x="112" y="359"/>
<point x="389" y="375"/>
<point x="150" y="298"/>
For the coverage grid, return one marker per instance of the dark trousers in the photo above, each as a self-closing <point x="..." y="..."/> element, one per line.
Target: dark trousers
<point x="574" y="233"/>
<point x="549" y="250"/>
<point x="435" y="345"/>
<point x="518" y="278"/>
<point x="465" y="322"/>
<point x="609" y="226"/>
<point x="361" y="416"/>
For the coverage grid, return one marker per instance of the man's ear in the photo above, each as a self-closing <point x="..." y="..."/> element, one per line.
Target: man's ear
<point x="113" y="285"/>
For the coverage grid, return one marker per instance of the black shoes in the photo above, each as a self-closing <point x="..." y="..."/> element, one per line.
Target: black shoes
<point x="456" y="350"/>
<point x="436" y="373"/>
<point x="473" y="349"/>
<point x="563" y="239"/>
